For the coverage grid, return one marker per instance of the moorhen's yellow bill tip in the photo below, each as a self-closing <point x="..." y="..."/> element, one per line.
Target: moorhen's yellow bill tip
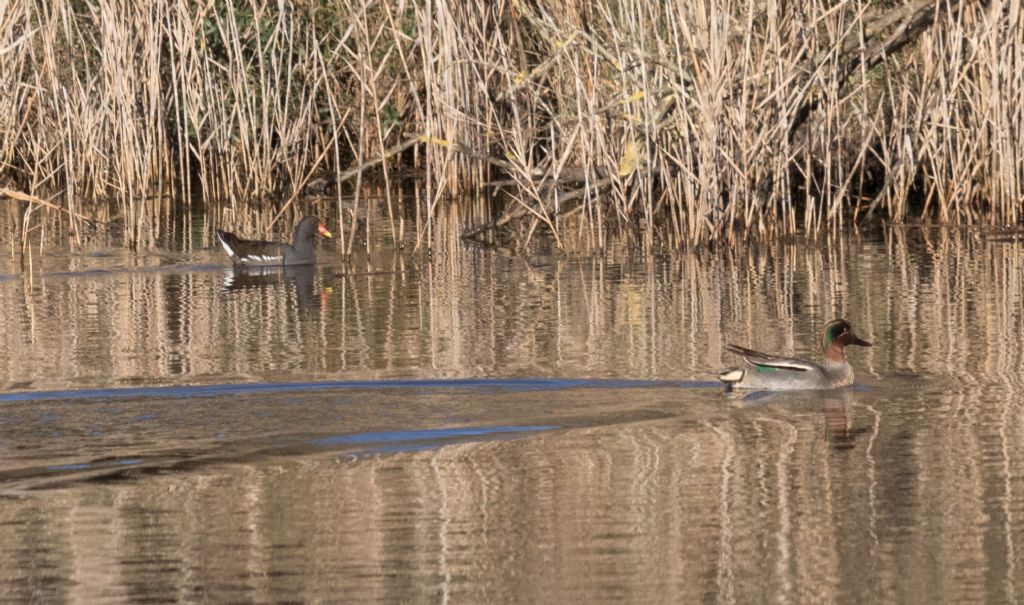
<point x="324" y="232"/>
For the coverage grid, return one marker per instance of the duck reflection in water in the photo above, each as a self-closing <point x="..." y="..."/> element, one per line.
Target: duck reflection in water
<point x="299" y="277"/>
<point x="841" y="427"/>
<point x="838" y="407"/>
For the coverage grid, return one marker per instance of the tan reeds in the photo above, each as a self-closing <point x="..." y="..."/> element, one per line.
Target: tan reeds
<point x="681" y="122"/>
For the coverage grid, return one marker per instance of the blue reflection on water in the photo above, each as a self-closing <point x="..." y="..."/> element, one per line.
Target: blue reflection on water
<point x="81" y="466"/>
<point x="427" y="434"/>
<point x="494" y="384"/>
<point x="70" y="467"/>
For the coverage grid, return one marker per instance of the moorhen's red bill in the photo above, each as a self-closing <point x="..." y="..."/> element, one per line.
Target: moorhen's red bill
<point x="253" y="253"/>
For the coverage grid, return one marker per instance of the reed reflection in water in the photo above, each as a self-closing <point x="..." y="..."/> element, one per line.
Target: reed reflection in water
<point x="904" y="488"/>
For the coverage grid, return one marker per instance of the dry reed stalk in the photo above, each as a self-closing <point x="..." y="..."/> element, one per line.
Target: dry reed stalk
<point x="681" y="122"/>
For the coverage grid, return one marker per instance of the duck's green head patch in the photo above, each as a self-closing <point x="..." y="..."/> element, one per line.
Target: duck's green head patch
<point x="836" y="329"/>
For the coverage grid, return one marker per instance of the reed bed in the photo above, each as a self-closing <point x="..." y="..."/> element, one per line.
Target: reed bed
<point x="676" y="123"/>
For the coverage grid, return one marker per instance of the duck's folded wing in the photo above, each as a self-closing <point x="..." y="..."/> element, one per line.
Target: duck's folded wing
<point x="770" y="362"/>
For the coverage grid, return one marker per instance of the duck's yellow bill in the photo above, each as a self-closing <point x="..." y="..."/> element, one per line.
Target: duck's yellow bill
<point x="324" y="232"/>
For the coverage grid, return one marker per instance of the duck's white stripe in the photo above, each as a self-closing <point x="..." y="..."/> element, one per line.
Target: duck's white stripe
<point x="798" y="367"/>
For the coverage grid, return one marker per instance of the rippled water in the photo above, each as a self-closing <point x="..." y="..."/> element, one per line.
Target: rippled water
<point x="479" y="427"/>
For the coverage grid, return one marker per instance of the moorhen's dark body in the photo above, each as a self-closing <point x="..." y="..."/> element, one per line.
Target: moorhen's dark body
<point x="253" y="253"/>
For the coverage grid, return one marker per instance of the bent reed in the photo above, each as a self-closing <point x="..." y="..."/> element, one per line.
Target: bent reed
<point x="680" y="123"/>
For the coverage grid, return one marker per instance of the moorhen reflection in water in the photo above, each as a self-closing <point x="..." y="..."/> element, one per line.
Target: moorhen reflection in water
<point x="242" y="278"/>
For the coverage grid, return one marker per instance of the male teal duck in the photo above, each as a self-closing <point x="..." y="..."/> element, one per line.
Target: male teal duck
<point x="761" y="371"/>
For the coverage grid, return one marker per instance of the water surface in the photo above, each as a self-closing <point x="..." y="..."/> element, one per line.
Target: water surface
<point x="477" y="427"/>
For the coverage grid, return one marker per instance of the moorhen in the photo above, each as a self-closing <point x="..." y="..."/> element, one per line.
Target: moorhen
<point x="252" y="253"/>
